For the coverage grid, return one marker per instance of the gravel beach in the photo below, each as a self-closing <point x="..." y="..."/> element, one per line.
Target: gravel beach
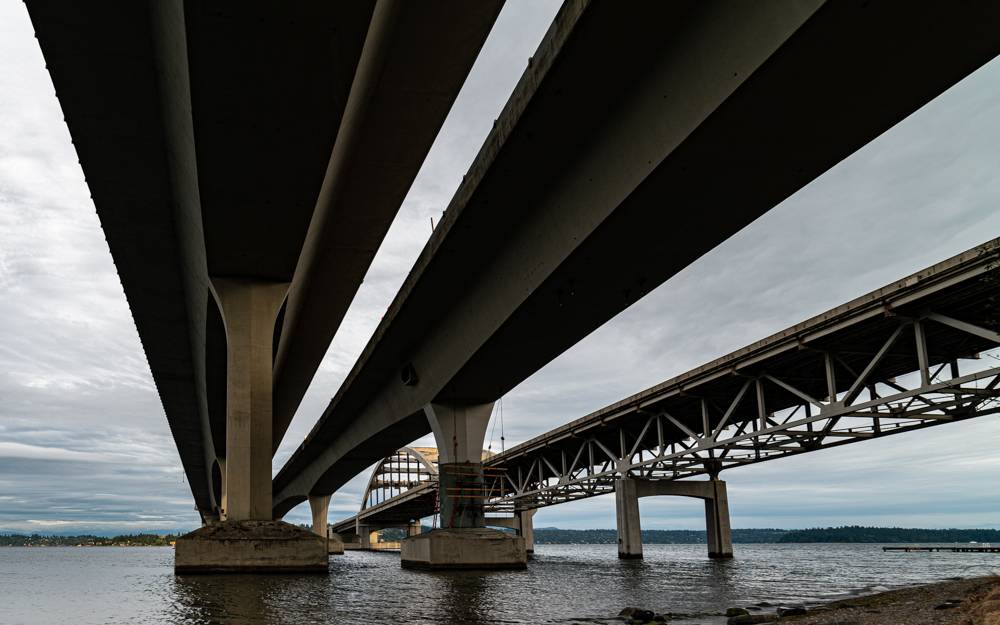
<point x="960" y="602"/>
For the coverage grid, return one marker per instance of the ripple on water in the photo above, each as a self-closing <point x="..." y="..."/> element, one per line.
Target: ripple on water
<point x="563" y="584"/>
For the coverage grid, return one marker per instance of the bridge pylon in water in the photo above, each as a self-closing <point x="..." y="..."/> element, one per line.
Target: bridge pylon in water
<point x="463" y="541"/>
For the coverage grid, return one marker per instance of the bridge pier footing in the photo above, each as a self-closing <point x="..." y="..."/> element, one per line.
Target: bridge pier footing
<point x="249" y="540"/>
<point x="464" y="541"/>
<point x="713" y="492"/>
<point x="250" y="547"/>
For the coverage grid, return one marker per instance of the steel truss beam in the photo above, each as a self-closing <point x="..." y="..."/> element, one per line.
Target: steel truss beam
<point x="745" y="432"/>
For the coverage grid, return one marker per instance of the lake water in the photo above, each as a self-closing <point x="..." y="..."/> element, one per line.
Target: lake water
<point x="563" y="584"/>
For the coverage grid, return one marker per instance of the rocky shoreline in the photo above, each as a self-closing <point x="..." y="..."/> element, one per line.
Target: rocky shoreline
<point x="974" y="601"/>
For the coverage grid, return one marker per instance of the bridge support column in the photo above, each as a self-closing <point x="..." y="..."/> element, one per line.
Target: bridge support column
<point x="627" y="517"/>
<point x="368" y="538"/>
<point x="225" y="497"/>
<point x="720" y="535"/>
<point x="713" y="492"/>
<point x="414" y="528"/>
<point x="334" y="543"/>
<point x="464" y="541"/>
<point x="249" y="539"/>
<point x="524" y="520"/>
<point x="320" y="506"/>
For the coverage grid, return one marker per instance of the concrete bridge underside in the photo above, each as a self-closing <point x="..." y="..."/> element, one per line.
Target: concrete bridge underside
<point x="640" y="137"/>
<point x="245" y="161"/>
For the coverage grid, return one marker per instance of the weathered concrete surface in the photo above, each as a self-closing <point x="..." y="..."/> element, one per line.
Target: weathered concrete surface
<point x="461" y="495"/>
<point x="334" y="545"/>
<point x="251" y="547"/>
<point x="478" y="548"/>
<point x="459" y="431"/>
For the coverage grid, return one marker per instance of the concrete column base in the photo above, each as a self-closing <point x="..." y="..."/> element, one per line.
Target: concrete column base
<point x="334" y="545"/>
<point x="251" y="547"/>
<point x="465" y="548"/>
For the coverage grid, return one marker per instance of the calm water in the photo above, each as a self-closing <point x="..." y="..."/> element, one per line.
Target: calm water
<point x="564" y="584"/>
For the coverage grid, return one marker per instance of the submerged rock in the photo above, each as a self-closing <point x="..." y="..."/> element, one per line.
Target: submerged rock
<point x="636" y="615"/>
<point x="791" y="610"/>
<point x="752" y="619"/>
<point x="731" y="612"/>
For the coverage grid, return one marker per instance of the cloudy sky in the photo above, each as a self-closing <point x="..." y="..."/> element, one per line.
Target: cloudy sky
<point x="84" y="445"/>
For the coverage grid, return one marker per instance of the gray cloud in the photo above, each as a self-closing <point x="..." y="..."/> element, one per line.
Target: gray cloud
<point x="84" y="444"/>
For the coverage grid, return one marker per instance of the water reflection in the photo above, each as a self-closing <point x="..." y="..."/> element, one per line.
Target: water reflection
<point x="465" y="598"/>
<point x="250" y="599"/>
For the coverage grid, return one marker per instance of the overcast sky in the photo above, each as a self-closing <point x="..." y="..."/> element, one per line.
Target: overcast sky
<point x="84" y="445"/>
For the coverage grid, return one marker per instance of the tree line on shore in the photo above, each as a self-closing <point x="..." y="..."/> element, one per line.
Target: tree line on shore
<point x="844" y="534"/>
<point x="552" y="536"/>
<point x="87" y="540"/>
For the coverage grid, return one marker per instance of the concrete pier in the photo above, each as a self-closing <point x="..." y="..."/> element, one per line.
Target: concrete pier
<point x="249" y="540"/>
<point x="367" y="537"/>
<point x="465" y="548"/>
<point x="464" y="541"/>
<point x="713" y="492"/>
<point x="525" y="526"/>
<point x="627" y="517"/>
<point x="249" y="309"/>
<point x="251" y="547"/>
<point x="334" y="544"/>
<point x="320" y="507"/>
<point x="522" y="523"/>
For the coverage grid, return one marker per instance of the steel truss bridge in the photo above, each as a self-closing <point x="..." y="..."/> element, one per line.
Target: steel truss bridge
<point x="913" y="354"/>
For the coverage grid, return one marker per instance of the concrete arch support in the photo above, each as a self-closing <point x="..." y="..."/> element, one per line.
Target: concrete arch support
<point x="713" y="492"/>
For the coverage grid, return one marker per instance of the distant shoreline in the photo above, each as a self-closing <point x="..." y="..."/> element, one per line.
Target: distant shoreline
<point x="132" y="540"/>
<point x="556" y="536"/>
<point x="845" y="534"/>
